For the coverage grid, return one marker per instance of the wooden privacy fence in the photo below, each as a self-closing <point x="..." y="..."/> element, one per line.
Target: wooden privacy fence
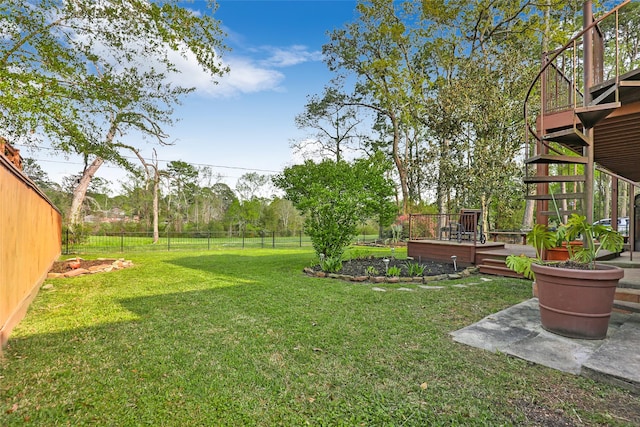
<point x="30" y="234"/>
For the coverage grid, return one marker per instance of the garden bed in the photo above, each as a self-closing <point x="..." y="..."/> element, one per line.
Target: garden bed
<point x="373" y="269"/>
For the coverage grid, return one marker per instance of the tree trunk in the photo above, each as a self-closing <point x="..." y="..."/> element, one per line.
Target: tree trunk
<point x="400" y="165"/>
<point x="441" y="191"/>
<point x="156" y="190"/>
<point x="484" y="206"/>
<point x="624" y="197"/>
<point x="80" y="193"/>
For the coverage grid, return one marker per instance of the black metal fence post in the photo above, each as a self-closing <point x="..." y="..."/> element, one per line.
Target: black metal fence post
<point x="273" y="234"/>
<point x="168" y="241"/>
<point x="262" y="239"/>
<point x="209" y="241"/>
<point x="122" y="241"/>
<point x="242" y="239"/>
<point x="300" y="238"/>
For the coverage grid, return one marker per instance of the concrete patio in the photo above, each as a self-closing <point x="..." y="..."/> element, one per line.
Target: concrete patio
<point x="517" y="331"/>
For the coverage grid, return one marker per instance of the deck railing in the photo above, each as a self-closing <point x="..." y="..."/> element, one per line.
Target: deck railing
<point x="461" y="227"/>
<point x="561" y="77"/>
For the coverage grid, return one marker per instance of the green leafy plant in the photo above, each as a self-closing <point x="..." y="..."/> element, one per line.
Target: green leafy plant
<point x="372" y="271"/>
<point x="415" y="269"/>
<point x="335" y="197"/>
<point x="331" y="264"/>
<point x="396" y="232"/>
<point x="394" y="271"/>
<point x="594" y="239"/>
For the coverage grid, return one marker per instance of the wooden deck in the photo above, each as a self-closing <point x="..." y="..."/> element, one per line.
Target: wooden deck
<point x="442" y="250"/>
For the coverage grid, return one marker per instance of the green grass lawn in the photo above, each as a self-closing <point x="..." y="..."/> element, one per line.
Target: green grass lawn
<point x="243" y="338"/>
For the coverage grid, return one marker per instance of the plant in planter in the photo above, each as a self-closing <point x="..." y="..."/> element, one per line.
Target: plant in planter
<point x="576" y="296"/>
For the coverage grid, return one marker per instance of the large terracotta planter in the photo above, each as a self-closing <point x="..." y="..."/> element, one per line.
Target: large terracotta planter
<point x="576" y="303"/>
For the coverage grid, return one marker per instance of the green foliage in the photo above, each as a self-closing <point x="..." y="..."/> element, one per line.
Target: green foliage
<point x="331" y="264"/>
<point x="184" y="333"/>
<point x="394" y="271"/>
<point x="337" y="196"/>
<point x="415" y="269"/>
<point x="521" y="264"/>
<point x="86" y="76"/>
<point x="396" y="232"/>
<point x="372" y="271"/>
<point x="541" y="238"/>
<point x="594" y="239"/>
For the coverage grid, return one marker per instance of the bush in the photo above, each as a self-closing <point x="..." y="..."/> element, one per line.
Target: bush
<point x="337" y="196"/>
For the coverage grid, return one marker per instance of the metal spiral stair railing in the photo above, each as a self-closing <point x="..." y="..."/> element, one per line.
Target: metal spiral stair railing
<point x="565" y="145"/>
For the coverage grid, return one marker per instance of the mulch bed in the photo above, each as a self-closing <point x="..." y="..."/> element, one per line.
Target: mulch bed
<point x="359" y="266"/>
<point x="65" y="266"/>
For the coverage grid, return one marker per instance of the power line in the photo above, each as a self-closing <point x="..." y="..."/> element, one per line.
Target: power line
<point x="148" y="159"/>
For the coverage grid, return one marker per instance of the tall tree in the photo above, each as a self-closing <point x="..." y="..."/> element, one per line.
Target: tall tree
<point x="85" y="74"/>
<point x="252" y="185"/>
<point x="153" y="175"/>
<point x="380" y="48"/>
<point x="334" y="121"/>
<point x="182" y="180"/>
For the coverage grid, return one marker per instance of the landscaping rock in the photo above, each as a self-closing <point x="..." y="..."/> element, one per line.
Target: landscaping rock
<point x="75" y="267"/>
<point x="102" y="267"/>
<point x="76" y="272"/>
<point x="428" y="287"/>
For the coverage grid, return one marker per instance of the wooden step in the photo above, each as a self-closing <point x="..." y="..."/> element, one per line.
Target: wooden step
<point x="498" y="270"/>
<point x="556" y="159"/>
<point x="626" y="306"/>
<point x="571" y="137"/>
<point x="498" y="267"/>
<point x="560" y="196"/>
<point x="592" y="114"/>
<point x="607" y="96"/>
<point x="629" y="83"/>
<point x="628" y="295"/>
<point x="487" y="258"/>
<point x="557" y="178"/>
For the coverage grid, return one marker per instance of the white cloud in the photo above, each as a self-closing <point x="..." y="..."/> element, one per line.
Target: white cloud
<point x="246" y="75"/>
<point x="293" y="55"/>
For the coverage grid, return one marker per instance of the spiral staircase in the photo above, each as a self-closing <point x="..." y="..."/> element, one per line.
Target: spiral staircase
<point x="582" y="113"/>
<point x="583" y="121"/>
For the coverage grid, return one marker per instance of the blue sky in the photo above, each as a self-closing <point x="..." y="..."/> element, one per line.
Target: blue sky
<point x="246" y="122"/>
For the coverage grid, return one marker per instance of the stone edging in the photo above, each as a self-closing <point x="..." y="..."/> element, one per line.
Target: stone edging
<point x="393" y="279"/>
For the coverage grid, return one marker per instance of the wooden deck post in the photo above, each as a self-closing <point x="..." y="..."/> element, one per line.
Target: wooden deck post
<point x="588" y="151"/>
